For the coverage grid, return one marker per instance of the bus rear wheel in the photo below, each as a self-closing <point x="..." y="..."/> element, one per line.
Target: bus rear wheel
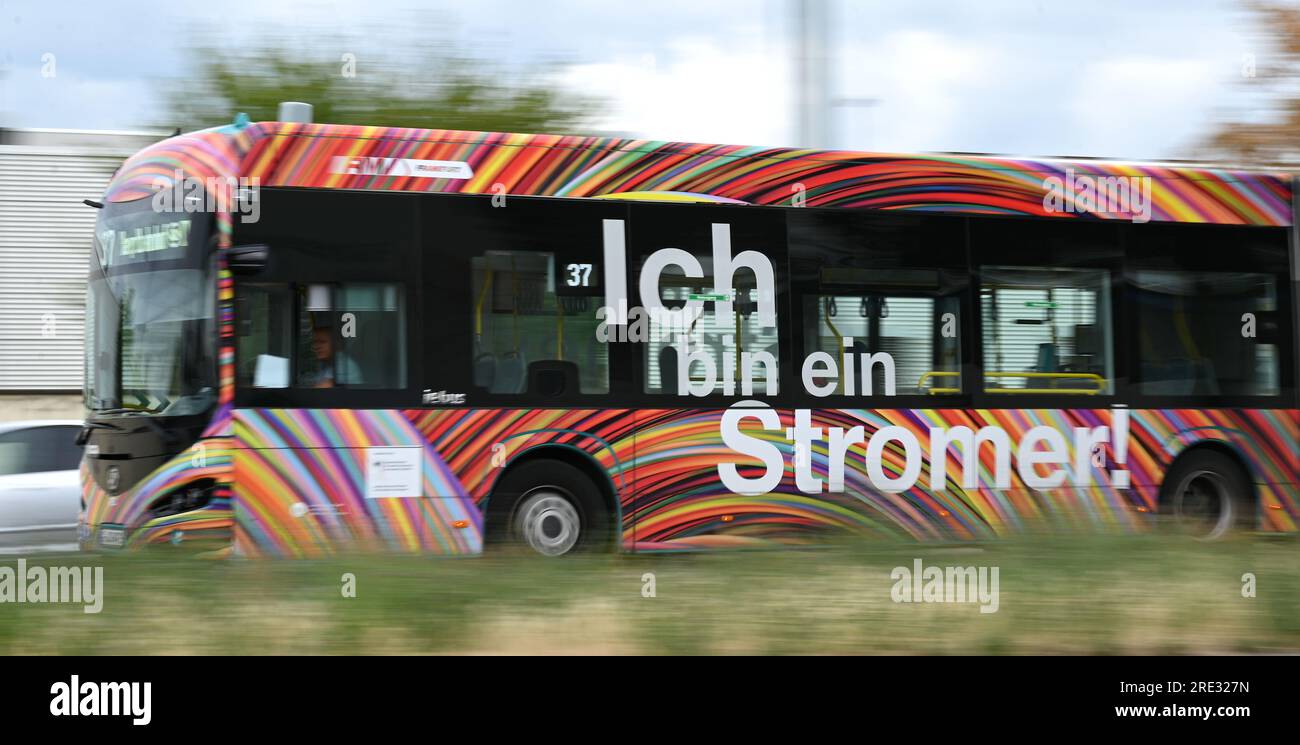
<point x="550" y="508"/>
<point x="1206" y="495"/>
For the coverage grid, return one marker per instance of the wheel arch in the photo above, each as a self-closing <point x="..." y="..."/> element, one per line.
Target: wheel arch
<point x="1222" y="447"/>
<point x="576" y="457"/>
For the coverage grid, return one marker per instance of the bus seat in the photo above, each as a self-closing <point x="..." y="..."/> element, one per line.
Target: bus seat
<point x="510" y="373"/>
<point x="485" y="370"/>
<point x="1171" y="377"/>
<point x="1181" y="376"/>
<point x="1087" y="342"/>
<point x="1076" y="384"/>
<point x="1046" y="358"/>
<point x="1207" y="381"/>
<point x="553" y="378"/>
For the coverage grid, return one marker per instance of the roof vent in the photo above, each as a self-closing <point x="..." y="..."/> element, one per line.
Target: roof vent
<point x="294" y="111"/>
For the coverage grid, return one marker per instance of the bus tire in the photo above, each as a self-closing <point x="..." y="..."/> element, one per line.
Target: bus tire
<point x="1207" y="495"/>
<point x="550" y="508"/>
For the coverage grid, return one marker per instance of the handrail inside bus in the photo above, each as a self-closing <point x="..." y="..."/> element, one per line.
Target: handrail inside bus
<point x="514" y="301"/>
<point x="478" y="306"/>
<point x="740" y="343"/>
<point x="1091" y="377"/>
<point x="920" y="382"/>
<point x="827" y="301"/>
<point x="559" y="328"/>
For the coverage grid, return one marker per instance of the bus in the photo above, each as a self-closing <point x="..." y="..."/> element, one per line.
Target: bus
<point x="305" y="339"/>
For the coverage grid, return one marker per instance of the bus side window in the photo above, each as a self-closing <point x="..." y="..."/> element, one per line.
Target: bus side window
<point x="352" y="335"/>
<point x="528" y="339"/>
<point x="1046" y="330"/>
<point x="1213" y="312"/>
<point x="264" y="313"/>
<point x="882" y="296"/>
<point x="920" y="334"/>
<point x="708" y="297"/>
<point x="343" y="335"/>
<point x="740" y="349"/>
<point x="1207" y="333"/>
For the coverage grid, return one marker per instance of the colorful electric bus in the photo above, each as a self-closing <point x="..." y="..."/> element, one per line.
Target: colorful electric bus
<point x="306" y="338"/>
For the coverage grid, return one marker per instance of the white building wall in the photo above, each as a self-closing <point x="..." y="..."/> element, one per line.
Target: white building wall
<point x="45" y="238"/>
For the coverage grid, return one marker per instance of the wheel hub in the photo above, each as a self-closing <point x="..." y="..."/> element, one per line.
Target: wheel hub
<point x="1203" y="506"/>
<point x="548" y="523"/>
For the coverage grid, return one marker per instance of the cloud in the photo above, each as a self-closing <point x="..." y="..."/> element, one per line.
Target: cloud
<point x="74" y="100"/>
<point x="1138" y="105"/>
<point x="924" y="85"/>
<point x="695" y="90"/>
<point x="1039" y="78"/>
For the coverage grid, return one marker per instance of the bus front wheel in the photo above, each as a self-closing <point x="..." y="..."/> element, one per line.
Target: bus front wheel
<point x="550" y="507"/>
<point x="1206" y="495"/>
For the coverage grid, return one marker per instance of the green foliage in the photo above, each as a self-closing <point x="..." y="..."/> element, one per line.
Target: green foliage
<point x="429" y="84"/>
<point x="1274" y="78"/>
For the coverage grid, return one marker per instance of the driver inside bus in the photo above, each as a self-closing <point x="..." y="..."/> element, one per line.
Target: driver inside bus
<point x="332" y="368"/>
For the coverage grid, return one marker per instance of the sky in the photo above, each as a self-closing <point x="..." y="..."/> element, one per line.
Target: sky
<point x="1113" y="78"/>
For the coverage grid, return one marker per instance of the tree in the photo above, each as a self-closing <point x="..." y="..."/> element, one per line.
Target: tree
<point x="417" y="84"/>
<point x="1275" y="139"/>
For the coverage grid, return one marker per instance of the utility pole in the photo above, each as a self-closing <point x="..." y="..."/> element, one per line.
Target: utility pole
<point x="812" y="60"/>
<point x="812" y="67"/>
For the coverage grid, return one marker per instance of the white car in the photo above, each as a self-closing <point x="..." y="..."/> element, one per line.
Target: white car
<point x="40" y="492"/>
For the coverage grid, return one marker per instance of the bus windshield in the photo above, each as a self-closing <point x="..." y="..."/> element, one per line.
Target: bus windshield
<point x="150" y="309"/>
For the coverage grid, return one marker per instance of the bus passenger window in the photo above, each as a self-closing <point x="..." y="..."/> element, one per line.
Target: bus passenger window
<point x="1191" y="338"/>
<point x="351" y="336"/>
<point x="882" y="303"/>
<point x="342" y="336"/>
<point x="1046" y="331"/>
<point x="519" y="322"/>
<point x="265" y="335"/>
<point x="921" y="336"/>
<point x="733" y="356"/>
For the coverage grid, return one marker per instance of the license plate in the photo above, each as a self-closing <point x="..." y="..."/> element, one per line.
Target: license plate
<point x="112" y="536"/>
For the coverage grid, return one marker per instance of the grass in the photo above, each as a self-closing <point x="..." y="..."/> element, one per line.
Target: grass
<point x="1061" y="595"/>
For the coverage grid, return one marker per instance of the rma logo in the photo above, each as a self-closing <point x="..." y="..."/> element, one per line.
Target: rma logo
<point x="407" y="167"/>
<point x="102" y="699"/>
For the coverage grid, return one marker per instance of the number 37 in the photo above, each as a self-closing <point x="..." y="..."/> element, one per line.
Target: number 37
<point x="579" y="275"/>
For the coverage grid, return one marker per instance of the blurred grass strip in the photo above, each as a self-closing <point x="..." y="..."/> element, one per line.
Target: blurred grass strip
<point x="1075" y="595"/>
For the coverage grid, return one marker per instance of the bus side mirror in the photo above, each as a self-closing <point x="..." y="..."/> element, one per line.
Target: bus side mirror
<point x="246" y="260"/>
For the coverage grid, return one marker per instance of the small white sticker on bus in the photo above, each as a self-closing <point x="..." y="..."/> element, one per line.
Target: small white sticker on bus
<point x="393" y="472"/>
